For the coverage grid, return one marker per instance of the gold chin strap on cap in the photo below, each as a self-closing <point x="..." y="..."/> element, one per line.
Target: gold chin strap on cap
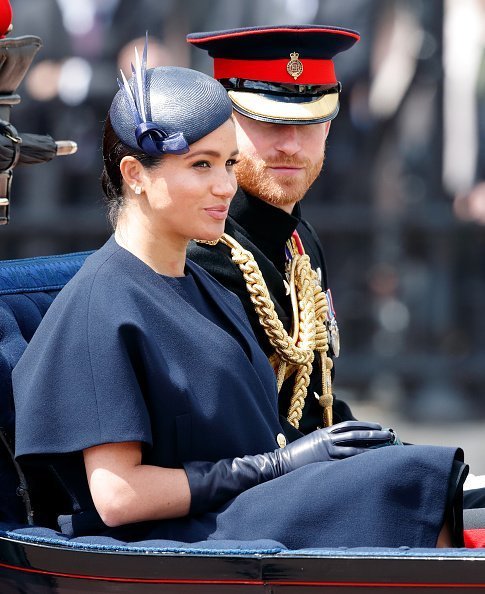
<point x="293" y="353"/>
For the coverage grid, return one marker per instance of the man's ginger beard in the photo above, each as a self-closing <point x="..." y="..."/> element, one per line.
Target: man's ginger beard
<point x="255" y="178"/>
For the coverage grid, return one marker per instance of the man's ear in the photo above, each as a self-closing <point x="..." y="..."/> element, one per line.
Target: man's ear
<point x="327" y="128"/>
<point x="132" y="171"/>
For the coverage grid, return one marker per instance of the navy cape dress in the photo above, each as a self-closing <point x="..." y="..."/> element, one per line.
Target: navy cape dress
<point x="126" y="354"/>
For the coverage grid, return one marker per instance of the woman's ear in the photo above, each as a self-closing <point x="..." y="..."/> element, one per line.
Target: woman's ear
<point x="133" y="173"/>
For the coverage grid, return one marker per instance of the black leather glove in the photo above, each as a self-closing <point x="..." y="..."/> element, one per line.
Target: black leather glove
<point x="213" y="483"/>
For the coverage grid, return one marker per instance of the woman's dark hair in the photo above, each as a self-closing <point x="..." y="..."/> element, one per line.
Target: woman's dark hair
<point x="111" y="179"/>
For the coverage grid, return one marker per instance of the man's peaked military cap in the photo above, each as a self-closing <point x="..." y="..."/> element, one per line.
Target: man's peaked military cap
<point x="283" y="74"/>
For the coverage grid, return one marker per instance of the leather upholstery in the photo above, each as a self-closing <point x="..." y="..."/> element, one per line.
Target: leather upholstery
<point x="27" y="288"/>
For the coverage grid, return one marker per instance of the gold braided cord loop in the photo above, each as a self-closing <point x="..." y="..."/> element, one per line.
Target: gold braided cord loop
<point x="295" y="352"/>
<point x="304" y="330"/>
<point x="321" y="346"/>
<point x="284" y="344"/>
<point x="300" y="391"/>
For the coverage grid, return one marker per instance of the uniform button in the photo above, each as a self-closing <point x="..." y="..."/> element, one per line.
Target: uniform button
<point x="281" y="440"/>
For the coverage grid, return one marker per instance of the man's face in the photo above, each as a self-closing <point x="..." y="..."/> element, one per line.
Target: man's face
<point x="279" y="162"/>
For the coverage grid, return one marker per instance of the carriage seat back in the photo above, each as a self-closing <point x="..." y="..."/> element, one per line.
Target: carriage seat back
<point x="27" y="288"/>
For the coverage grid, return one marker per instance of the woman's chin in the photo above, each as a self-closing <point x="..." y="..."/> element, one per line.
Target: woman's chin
<point x="210" y="235"/>
<point x="213" y="239"/>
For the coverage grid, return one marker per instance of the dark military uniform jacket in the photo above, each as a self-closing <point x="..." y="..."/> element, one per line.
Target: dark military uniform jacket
<point x="264" y="230"/>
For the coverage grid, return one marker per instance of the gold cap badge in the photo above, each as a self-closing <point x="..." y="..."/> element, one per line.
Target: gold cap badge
<point x="294" y="66"/>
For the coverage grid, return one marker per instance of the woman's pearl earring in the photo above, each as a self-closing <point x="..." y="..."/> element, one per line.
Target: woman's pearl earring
<point x="137" y="190"/>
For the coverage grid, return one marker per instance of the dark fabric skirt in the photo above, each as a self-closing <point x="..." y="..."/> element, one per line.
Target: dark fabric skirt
<point x="388" y="497"/>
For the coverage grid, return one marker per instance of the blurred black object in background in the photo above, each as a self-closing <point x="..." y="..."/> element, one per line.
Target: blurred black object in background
<point x="31" y="149"/>
<point x="16" y="55"/>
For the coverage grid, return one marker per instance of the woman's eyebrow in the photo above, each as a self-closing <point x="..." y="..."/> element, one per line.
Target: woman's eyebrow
<point x="209" y="152"/>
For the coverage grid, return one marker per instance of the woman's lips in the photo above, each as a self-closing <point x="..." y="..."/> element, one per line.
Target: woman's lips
<point x="219" y="213"/>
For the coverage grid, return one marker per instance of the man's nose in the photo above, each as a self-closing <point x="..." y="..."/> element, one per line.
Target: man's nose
<point x="288" y="139"/>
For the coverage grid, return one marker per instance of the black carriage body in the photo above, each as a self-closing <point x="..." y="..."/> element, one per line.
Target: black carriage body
<point x="42" y="569"/>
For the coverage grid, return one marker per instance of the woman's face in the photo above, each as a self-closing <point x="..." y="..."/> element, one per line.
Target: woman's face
<point x="188" y="196"/>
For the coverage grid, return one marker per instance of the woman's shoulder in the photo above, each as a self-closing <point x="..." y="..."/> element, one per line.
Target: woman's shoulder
<point x="104" y="260"/>
<point x="99" y="280"/>
<point x="110" y="266"/>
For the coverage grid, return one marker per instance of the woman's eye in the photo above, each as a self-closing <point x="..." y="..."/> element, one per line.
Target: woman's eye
<point x="231" y="162"/>
<point x="201" y="164"/>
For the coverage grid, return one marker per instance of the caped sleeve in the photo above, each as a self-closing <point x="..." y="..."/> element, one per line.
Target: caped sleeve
<point x="78" y="383"/>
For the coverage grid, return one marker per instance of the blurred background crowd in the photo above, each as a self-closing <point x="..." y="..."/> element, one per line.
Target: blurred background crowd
<point x="400" y="206"/>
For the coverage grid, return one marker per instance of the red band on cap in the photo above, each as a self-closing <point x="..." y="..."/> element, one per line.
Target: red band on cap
<point x="314" y="72"/>
<point x="5" y="17"/>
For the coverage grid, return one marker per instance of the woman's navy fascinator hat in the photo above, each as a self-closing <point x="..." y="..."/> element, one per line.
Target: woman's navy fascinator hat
<point x="165" y="109"/>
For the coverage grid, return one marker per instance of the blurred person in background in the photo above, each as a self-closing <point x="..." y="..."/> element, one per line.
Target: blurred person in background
<point x="67" y="88"/>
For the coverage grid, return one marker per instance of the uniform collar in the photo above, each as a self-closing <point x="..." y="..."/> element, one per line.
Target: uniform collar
<point x="267" y="226"/>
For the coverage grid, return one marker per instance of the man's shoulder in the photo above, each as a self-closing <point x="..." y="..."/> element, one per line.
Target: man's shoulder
<point x="313" y="247"/>
<point x="308" y="234"/>
<point x="209" y="257"/>
<point x="217" y="261"/>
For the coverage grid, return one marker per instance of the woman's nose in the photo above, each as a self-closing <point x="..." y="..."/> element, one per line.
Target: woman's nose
<point x="225" y="185"/>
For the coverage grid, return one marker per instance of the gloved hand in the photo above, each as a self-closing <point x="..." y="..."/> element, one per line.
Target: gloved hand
<point x="213" y="483"/>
